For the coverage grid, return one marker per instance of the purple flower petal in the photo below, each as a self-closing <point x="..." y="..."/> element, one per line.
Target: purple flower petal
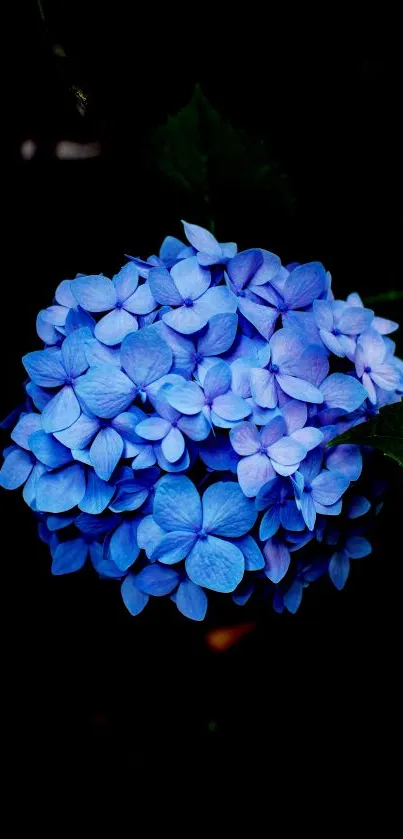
<point x="245" y="438"/>
<point x="294" y="414"/>
<point x="202" y="240"/>
<point x="253" y="472"/>
<point x="277" y="560"/>
<point x="263" y="388"/>
<point x="341" y="391"/>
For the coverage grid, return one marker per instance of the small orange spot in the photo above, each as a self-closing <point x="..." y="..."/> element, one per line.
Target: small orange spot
<point x="220" y="640"/>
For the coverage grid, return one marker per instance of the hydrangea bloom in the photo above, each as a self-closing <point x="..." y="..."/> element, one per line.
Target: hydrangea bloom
<point x="175" y="424"/>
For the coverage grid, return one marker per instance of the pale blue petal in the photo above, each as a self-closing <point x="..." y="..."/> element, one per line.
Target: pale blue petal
<point x="126" y="423"/>
<point x="153" y="428"/>
<point x="215" y="564"/>
<point x="355" y="319"/>
<point x="202" y="240"/>
<point x="145" y="356"/>
<point x="323" y="314"/>
<point x="26" y="425"/>
<point x="263" y="318"/>
<point x="217" y="380"/>
<point x="173" y="445"/>
<point x="231" y="407"/>
<point x="187" y="398"/>
<point x="163" y="287"/>
<point x="196" y="427"/>
<point x="226" y="511"/>
<point x="105" y="452"/>
<point x="191" y="600"/>
<point x="263" y="388"/>
<point x="64" y="294"/>
<point x="173" y="547"/>
<point x="277" y="560"/>
<point x="46" y="332"/>
<point x="69" y="557"/>
<point x="45" y="367"/>
<point x="299" y="389"/>
<point x="114" y="326"/>
<point x="328" y="487"/>
<point x="149" y="534"/>
<point x="286" y="451"/>
<point x="40" y="397"/>
<point x="61" y="411"/>
<point x="97" y="353"/>
<point x="304" y="285"/>
<point x="346" y="459"/>
<point x="185" y="320"/>
<point x="177" y="504"/>
<point x="105" y="391"/>
<point x="341" y="391"/>
<point x="220" y="334"/>
<point x="94" y="293"/>
<point x="134" y="599"/>
<point x="253" y="472"/>
<point x="58" y="492"/>
<point x="145" y="458"/>
<point x="215" y="301"/>
<point x="141" y="302"/>
<point x="190" y="278"/>
<point x="126" y="281"/>
<point x="308" y="437"/>
<point x="29" y="491"/>
<point x="73" y="352"/>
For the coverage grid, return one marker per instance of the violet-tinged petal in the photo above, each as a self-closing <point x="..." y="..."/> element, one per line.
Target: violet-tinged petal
<point x="173" y="547"/>
<point x="185" y="320"/>
<point x="97" y="496"/>
<point x="16" y="468"/>
<point x="332" y="343"/>
<point x="141" y="302"/>
<point x="384" y="326"/>
<point x="94" y="293"/>
<point x="272" y="432"/>
<point x="215" y="564"/>
<point x="294" y="415"/>
<point x="355" y="319"/>
<point x="304" y="285"/>
<point x="26" y="425"/>
<point x="220" y="334"/>
<point x="45" y="367"/>
<point x="190" y="278"/>
<point x="145" y="356"/>
<point x="339" y="569"/>
<point x="191" y="600"/>
<point x="177" y="504"/>
<point x="323" y="314"/>
<point x="202" y="240"/>
<point x="58" y="492"/>
<point x="114" y="326"/>
<point x="61" y="411"/>
<point x="105" y="452"/>
<point x="134" y="599"/>
<point x="277" y="560"/>
<point x="308" y="437"/>
<point x="253" y="472"/>
<point x="286" y="451"/>
<point x="226" y="511"/>
<point x="299" y="389"/>
<point x="345" y="459"/>
<point x="369" y="388"/>
<point x="328" y="487"/>
<point x="231" y="407"/>
<point x="196" y="427"/>
<point x="242" y="267"/>
<point x="217" y="380"/>
<point x="263" y="318"/>
<point x="263" y="388"/>
<point x="105" y="391"/>
<point x="341" y="391"/>
<point x="371" y="344"/>
<point x="245" y="438"/>
<point x="386" y="376"/>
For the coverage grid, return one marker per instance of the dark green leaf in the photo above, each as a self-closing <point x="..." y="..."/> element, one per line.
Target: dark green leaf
<point x="200" y="151"/>
<point x="384" y="297"/>
<point x="384" y="432"/>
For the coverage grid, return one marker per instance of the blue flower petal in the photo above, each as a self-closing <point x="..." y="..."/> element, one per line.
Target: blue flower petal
<point x="191" y="600"/>
<point x="226" y="511"/>
<point x="304" y="285"/>
<point x="293" y="596"/>
<point x="61" y="411"/>
<point x="73" y="353"/>
<point x="328" y="487"/>
<point x="202" y="240"/>
<point x="80" y="434"/>
<point x="97" y="495"/>
<point x="339" y="569"/>
<point x="190" y="278"/>
<point x="122" y="547"/>
<point x="145" y="356"/>
<point x="134" y="599"/>
<point x="341" y="391"/>
<point x="172" y="547"/>
<point x="254" y="560"/>
<point x="114" y="326"/>
<point x="94" y="293"/>
<point x="358" y="547"/>
<point x="69" y="557"/>
<point x="26" y="425"/>
<point x="48" y="450"/>
<point x="220" y="334"/>
<point x="45" y="367"/>
<point x="16" y="468"/>
<point x="105" y="452"/>
<point x="105" y="391"/>
<point x="277" y="560"/>
<point x="157" y="580"/>
<point x="270" y="523"/>
<point x="60" y="491"/>
<point x="215" y="564"/>
<point x="177" y="504"/>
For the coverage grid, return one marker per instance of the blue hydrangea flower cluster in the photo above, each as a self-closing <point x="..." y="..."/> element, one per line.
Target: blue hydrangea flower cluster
<point x="175" y="424"/>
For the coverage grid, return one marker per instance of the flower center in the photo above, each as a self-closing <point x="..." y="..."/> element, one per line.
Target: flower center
<point x="336" y="332"/>
<point x="282" y="307"/>
<point x="274" y="368"/>
<point x="367" y="369"/>
<point x="262" y="450"/>
<point x="241" y="294"/>
<point x="174" y="423"/>
<point x="202" y="534"/>
<point x="308" y="488"/>
<point x="69" y="381"/>
<point x="119" y="305"/>
<point x="198" y="357"/>
<point x="188" y="302"/>
<point x="209" y="402"/>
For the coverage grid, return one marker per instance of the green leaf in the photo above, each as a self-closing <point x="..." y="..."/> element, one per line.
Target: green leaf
<point x="384" y="432"/>
<point x="384" y="297"/>
<point x="201" y="152"/>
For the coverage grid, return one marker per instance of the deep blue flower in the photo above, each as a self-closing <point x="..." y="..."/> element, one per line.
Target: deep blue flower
<point x="215" y="399"/>
<point x="339" y="323"/>
<point x="318" y="490"/>
<point x="289" y="365"/>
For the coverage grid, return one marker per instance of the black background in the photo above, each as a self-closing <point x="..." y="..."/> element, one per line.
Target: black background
<point x="88" y="682"/>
